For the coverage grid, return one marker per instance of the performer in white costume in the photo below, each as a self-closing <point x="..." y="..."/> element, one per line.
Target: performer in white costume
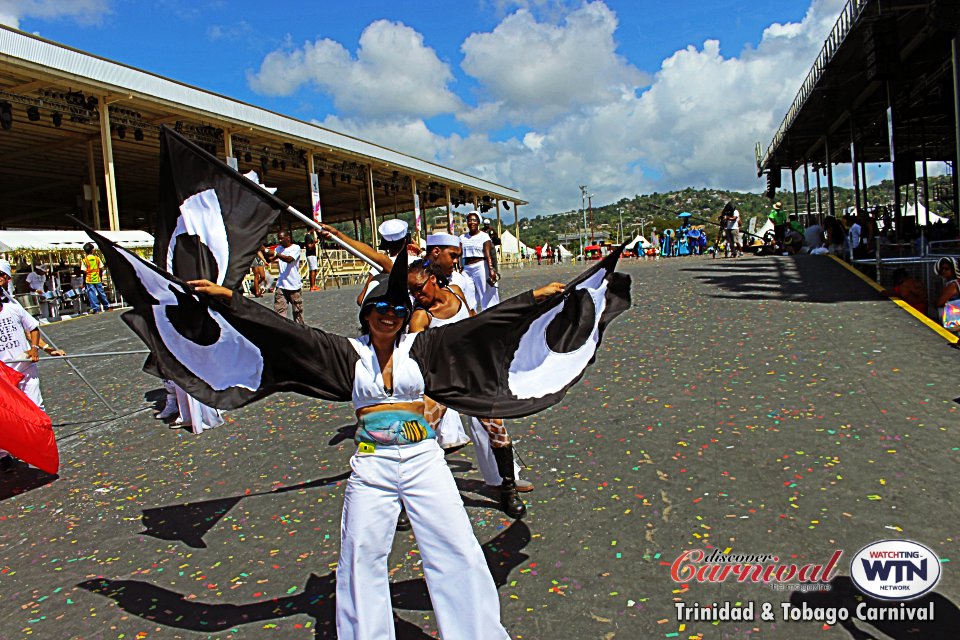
<point x="478" y="262"/>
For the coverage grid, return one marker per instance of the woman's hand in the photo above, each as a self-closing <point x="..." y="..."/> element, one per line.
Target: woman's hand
<point x="213" y="290"/>
<point x="548" y="291"/>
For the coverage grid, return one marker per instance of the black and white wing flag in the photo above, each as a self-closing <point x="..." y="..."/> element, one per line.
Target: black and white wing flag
<point x="225" y="356"/>
<point x="520" y="357"/>
<point x="211" y="219"/>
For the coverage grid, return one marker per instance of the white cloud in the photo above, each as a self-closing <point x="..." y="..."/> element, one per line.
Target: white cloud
<point x="536" y="72"/>
<point x="83" y="11"/>
<point x="394" y="73"/>
<point x="694" y="125"/>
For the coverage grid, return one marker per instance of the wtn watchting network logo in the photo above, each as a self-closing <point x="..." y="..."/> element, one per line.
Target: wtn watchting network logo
<point x="895" y="569"/>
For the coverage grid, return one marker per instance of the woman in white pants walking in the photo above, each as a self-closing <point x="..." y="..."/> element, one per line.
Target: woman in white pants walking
<point x="478" y="262"/>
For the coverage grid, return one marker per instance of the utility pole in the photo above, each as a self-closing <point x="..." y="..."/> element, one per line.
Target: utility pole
<point x="620" y="230"/>
<point x="583" y="210"/>
<point x="590" y="204"/>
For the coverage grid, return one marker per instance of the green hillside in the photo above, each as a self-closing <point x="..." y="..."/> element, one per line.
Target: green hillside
<point x="660" y="210"/>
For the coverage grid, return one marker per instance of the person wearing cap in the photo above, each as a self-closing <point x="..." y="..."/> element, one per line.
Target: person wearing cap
<point x="478" y="262"/>
<point x="289" y="284"/>
<point x="19" y="339"/>
<point x="779" y="218"/>
<point x="397" y="462"/>
<point x="36" y="278"/>
<point x="93" y="269"/>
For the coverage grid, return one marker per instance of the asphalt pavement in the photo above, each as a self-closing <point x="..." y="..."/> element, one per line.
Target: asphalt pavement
<point x="758" y="405"/>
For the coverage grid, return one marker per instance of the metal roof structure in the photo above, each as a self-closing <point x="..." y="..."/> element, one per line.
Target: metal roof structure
<point x="56" y="103"/>
<point x="882" y="89"/>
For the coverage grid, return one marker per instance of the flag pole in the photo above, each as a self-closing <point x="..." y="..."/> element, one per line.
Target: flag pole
<point x="313" y="223"/>
<point x="82" y="355"/>
<point x="47" y="339"/>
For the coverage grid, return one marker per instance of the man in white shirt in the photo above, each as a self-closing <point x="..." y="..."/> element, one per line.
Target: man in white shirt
<point x="853" y="238"/>
<point x="289" y="284"/>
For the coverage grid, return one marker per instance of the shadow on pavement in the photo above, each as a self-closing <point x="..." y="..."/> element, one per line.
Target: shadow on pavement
<point x="844" y="594"/>
<point x="793" y="278"/>
<point x="21" y="478"/>
<point x="188" y="523"/>
<point x="171" y="609"/>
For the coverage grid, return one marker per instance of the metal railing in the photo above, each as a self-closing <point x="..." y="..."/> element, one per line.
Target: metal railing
<point x="841" y="29"/>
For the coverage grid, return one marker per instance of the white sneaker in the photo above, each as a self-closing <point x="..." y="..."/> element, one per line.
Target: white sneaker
<point x="168" y="411"/>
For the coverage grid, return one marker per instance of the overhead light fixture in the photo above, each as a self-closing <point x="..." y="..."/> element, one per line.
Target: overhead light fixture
<point x="247" y="157"/>
<point x="6" y="116"/>
<point x="33" y="114"/>
<point x="276" y="163"/>
<point x="283" y="165"/>
<point x="138" y="135"/>
<point x="320" y="173"/>
<point x="57" y="118"/>
<point x="506" y="205"/>
<point x="121" y="132"/>
<point x="263" y="164"/>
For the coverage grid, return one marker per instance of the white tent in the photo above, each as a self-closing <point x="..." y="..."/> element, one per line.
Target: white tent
<point x="509" y="244"/>
<point x="564" y="252"/>
<point x="39" y="240"/>
<point x="924" y="217"/>
<point x="643" y="242"/>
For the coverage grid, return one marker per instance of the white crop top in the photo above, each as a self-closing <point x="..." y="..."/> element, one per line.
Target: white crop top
<point x="368" y="389"/>
<point x="462" y="314"/>
<point x="473" y="245"/>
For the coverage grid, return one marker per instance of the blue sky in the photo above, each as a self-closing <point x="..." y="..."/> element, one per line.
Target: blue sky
<point x="542" y="95"/>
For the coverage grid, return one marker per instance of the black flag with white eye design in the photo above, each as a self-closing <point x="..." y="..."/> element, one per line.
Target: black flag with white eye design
<point x="211" y="219"/>
<point x="521" y="356"/>
<point x="225" y="356"/>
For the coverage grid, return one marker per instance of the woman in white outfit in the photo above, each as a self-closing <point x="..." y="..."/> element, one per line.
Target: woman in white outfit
<point x="398" y="461"/>
<point x="478" y="262"/>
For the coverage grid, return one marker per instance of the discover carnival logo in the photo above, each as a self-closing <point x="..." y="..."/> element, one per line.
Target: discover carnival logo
<point x="895" y="569"/>
<point x="696" y="566"/>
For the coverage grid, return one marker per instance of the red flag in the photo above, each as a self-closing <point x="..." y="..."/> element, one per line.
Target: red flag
<point x="25" y="430"/>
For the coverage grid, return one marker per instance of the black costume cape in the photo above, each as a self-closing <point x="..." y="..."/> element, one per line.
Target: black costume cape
<point x="512" y="360"/>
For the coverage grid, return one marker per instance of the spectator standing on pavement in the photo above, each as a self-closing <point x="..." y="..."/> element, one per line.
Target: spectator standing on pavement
<point x="310" y="249"/>
<point x="478" y="263"/>
<point x="779" y="218"/>
<point x="289" y="284"/>
<point x="731" y="231"/>
<point x="93" y="270"/>
<point x="854" y="238"/>
<point x="538" y="250"/>
<point x="259" y="271"/>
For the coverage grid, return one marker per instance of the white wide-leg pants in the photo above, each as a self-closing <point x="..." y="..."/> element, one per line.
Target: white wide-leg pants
<point x="483" y="454"/>
<point x="488" y="294"/>
<point x="30" y="384"/>
<point x="462" y="591"/>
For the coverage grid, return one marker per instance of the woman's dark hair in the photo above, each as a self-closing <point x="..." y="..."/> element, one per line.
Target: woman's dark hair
<point x="429" y="268"/>
<point x="727" y="208"/>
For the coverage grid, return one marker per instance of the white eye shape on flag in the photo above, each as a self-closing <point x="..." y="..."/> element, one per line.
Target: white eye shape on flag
<point x="228" y="361"/>
<point x="538" y="370"/>
<point x="200" y="216"/>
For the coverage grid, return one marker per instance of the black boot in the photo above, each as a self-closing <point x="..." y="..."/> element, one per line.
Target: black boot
<point x="510" y="501"/>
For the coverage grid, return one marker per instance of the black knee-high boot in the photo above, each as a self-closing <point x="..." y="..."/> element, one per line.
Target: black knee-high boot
<point x="510" y="500"/>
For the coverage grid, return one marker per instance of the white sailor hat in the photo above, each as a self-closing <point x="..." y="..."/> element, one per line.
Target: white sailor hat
<point x="393" y="230"/>
<point x="442" y="240"/>
<point x="5" y="268"/>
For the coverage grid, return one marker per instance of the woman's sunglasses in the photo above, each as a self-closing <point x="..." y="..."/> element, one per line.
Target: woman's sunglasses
<point x="383" y="307"/>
